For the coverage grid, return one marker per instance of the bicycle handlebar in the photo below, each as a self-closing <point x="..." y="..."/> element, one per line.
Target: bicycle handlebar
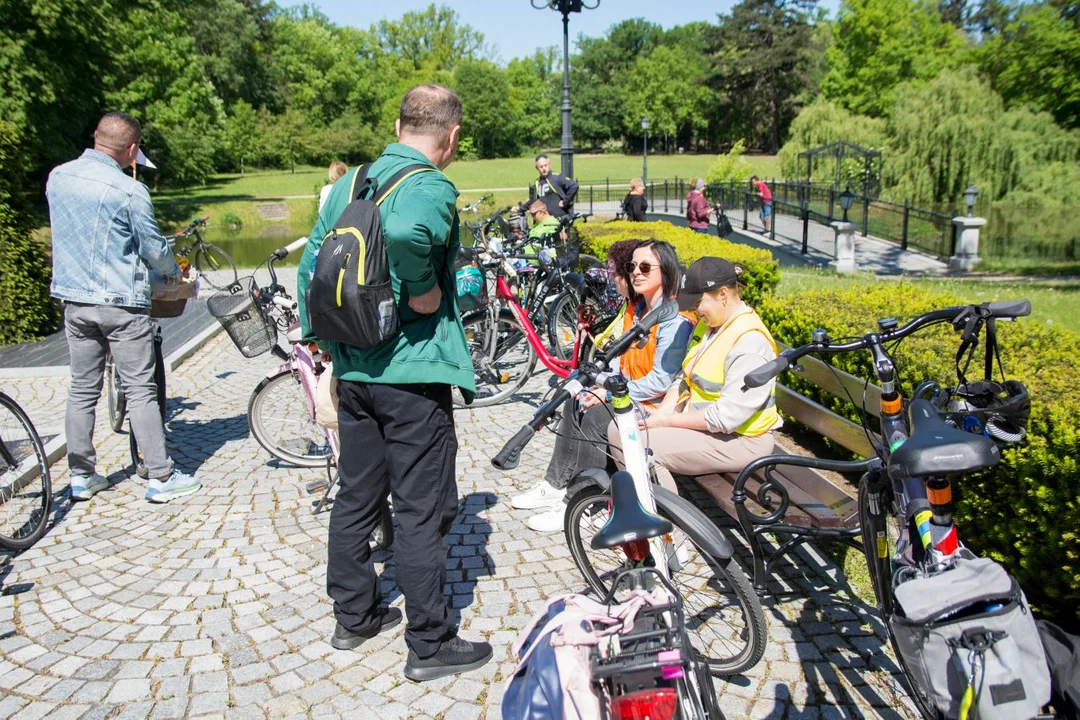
<point x="964" y="318"/>
<point x="295" y="245"/>
<point x="508" y="457"/>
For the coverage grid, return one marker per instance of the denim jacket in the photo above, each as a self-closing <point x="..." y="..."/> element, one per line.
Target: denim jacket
<point x="105" y="240"/>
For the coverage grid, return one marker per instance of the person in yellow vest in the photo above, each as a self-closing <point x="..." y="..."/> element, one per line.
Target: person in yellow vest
<point x="707" y="422"/>
<point x="647" y="273"/>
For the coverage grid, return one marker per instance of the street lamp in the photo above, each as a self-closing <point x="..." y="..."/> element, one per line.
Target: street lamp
<point x="645" y="156"/>
<point x="970" y="196"/>
<point x="846" y="199"/>
<point x="566" y="7"/>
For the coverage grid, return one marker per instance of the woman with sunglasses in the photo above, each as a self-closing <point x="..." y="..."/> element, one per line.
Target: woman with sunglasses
<point x="708" y="422"/>
<point x="648" y="274"/>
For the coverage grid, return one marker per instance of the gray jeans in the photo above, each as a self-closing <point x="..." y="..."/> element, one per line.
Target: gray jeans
<point x="92" y="330"/>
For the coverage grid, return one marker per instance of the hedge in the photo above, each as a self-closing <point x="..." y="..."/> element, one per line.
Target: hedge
<point x="26" y="310"/>
<point x="762" y="270"/>
<point x="1024" y="512"/>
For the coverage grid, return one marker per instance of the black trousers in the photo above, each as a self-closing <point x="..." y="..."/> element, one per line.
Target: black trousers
<point x="399" y="438"/>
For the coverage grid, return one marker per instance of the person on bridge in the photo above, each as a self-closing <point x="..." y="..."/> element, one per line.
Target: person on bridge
<point x="105" y="245"/>
<point x="557" y="191"/>
<point x="395" y="413"/>
<point x="697" y="207"/>
<point x="765" y="196"/>
<point x="635" y="205"/>
<point x="708" y="422"/>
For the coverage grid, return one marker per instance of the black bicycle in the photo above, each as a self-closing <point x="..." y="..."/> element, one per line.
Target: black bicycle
<point x="905" y="493"/>
<point x="214" y="265"/>
<point x="25" y="483"/>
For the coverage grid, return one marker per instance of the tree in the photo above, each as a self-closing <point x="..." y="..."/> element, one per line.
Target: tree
<point x="432" y="39"/>
<point x="882" y="43"/>
<point x="822" y="123"/>
<point x="241" y="135"/>
<point x="1039" y="43"/>
<point x="668" y="87"/>
<point x="532" y="100"/>
<point x="484" y="90"/>
<point x="761" y="58"/>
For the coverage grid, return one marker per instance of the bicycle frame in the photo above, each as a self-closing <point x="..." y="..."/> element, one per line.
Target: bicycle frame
<point x="562" y="368"/>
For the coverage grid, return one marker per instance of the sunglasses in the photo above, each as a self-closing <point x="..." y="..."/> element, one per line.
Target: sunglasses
<point x="644" y="268"/>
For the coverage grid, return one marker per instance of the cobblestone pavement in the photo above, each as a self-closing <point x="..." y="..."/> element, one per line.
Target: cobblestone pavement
<point x="215" y="604"/>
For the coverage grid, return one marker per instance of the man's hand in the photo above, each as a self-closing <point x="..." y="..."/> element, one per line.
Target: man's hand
<point x="427" y="303"/>
<point x="562" y="204"/>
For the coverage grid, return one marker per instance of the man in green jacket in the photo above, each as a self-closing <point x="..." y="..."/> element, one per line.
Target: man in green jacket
<point x="395" y="415"/>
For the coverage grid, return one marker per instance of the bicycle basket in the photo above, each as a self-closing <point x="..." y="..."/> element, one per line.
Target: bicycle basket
<point x="246" y="321"/>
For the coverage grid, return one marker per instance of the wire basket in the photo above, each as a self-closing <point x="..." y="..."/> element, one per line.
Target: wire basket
<point x="250" y="327"/>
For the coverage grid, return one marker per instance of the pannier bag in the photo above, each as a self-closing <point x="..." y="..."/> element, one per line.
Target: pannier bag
<point x="969" y="641"/>
<point x="350" y="298"/>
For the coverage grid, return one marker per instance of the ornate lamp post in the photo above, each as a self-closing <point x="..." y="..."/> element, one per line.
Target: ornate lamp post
<point x="970" y="196"/>
<point x="847" y="198"/>
<point x="645" y="156"/>
<point x="566" y="7"/>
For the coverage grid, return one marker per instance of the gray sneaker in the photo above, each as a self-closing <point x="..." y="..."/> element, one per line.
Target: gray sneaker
<point x="178" y="484"/>
<point x="84" y="488"/>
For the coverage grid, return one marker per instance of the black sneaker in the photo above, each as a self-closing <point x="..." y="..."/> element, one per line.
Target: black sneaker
<point x="455" y="656"/>
<point x="344" y="639"/>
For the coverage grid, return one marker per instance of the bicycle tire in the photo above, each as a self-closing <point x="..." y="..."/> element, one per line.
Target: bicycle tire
<point x="562" y="322"/>
<point x="880" y="569"/>
<point x="383" y="534"/>
<point x="280" y="401"/>
<point x="115" y="392"/>
<point x="492" y="389"/>
<point x="24" y="507"/>
<point x="592" y="503"/>
<point x="215" y="266"/>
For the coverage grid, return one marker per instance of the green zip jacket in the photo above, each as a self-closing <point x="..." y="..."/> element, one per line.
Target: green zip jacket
<point x="420" y="226"/>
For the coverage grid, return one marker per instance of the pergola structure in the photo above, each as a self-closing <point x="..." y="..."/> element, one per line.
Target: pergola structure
<point x="840" y="151"/>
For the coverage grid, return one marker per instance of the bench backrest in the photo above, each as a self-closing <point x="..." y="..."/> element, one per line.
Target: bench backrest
<point x="821" y="419"/>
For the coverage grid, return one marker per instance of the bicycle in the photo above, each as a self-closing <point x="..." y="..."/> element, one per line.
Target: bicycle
<point x="905" y="494"/>
<point x="728" y="628"/>
<point x="114" y="392"/>
<point x="209" y="258"/>
<point x="281" y="410"/>
<point x="25" y="482"/>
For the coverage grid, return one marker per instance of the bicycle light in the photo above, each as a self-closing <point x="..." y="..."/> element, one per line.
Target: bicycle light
<point x="654" y="704"/>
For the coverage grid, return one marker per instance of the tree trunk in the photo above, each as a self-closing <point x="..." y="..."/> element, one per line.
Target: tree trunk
<point x="774" y="119"/>
<point x="241" y="164"/>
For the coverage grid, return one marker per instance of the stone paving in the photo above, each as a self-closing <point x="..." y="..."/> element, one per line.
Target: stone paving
<point x="215" y="604"/>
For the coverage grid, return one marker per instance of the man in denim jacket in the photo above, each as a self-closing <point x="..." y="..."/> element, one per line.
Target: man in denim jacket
<point x="105" y="244"/>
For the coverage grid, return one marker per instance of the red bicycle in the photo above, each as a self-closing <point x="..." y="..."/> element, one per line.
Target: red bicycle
<point x="503" y="341"/>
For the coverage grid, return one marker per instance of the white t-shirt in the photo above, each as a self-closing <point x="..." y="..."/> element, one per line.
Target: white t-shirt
<point x="323" y="194"/>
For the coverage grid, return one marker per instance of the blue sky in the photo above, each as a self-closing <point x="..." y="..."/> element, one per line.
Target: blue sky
<point x="517" y="30"/>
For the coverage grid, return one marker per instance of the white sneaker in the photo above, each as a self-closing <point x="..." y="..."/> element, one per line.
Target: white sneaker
<point x="178" y="485"/>
<point x="550" y="521"/>
<point x="84" y="488"/>
<point x="540" y="497"/>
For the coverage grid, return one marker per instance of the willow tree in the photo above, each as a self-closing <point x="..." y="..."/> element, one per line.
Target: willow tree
<point x="824" y="122"/>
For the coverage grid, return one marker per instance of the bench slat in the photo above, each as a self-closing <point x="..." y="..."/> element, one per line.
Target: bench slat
<point x="824" y="421"/>
<point x="825" y="376"/>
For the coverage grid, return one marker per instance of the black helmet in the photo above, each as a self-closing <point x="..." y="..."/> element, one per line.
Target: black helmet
<point x="1001" y="410"/>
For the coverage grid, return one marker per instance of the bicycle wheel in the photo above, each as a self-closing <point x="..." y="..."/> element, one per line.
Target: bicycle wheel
<point x="563" y="322"/>
<point x="281" y="422"/>
<point x="585" y="262"/>
<point x="502" y="364"/>
<point x="724" y="618"/>
<point x="383" y="535"/>
<point x="25" y="483"/>
<point x="116" y="396"/>
<point x="881" y="528"/>
<point x="215" y="265"/>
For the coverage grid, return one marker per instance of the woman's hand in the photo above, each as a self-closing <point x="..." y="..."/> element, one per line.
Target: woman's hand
<point x="655" y="420"/>
<point x="591" y="398"/>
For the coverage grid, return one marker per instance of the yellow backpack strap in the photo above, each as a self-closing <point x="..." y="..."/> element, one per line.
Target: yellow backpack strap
<point x="398" y="178"/>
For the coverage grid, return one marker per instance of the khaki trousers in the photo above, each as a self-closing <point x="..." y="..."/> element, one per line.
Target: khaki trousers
<point x="678" y="451"/>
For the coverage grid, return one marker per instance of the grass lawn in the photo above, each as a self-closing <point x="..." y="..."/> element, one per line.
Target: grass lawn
<point x="1053" y="303"/>
<point x="501" y="173"/>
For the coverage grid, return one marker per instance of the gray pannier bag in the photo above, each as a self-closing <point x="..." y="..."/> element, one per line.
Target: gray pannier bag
<point x="970" y="626"/>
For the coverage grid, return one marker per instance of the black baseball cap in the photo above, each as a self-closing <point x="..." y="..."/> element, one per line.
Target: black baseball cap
<point x="705" y="274"/>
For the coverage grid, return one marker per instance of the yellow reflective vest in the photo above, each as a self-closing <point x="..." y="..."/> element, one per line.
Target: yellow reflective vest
<point x="703" y="370"/>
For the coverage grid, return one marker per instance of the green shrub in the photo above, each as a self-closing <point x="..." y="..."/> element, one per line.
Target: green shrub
<point x="27" y="311"/>
<point x="762" y="270"/>
<point x="1025" y="512"/>
<point x="231" y="221"/>
<point x="730" y="166"/>
<point x="614" y="146"/>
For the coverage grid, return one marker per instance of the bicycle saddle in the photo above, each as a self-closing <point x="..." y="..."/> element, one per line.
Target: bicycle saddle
<point x="936" y="448"/>
<point x="628" y="520"/>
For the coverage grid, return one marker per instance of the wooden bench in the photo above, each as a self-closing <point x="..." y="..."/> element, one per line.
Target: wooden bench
<point x="784" y="494"/>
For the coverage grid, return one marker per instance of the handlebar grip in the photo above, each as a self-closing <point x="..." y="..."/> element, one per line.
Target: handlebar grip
<point x="510" y="455"/>
<point x="291" y="247"/>
<point x="1009" y="308"/>
<point x="765" y="373"/>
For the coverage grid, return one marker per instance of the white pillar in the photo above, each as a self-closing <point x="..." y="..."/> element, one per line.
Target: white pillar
<point x="967" y="243"/>
<point x="844" y="249"/>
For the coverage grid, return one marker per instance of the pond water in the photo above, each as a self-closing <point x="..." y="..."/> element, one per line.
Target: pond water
<point x="249" y="248"/>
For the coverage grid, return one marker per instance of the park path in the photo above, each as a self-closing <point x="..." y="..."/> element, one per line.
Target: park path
<point x="216" y="605"/>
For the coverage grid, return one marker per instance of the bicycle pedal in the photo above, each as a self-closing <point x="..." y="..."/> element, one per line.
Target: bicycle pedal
<point x="316" y="487"/>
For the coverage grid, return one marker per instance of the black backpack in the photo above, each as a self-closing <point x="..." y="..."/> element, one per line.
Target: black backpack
<point x="350" y="299"/>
